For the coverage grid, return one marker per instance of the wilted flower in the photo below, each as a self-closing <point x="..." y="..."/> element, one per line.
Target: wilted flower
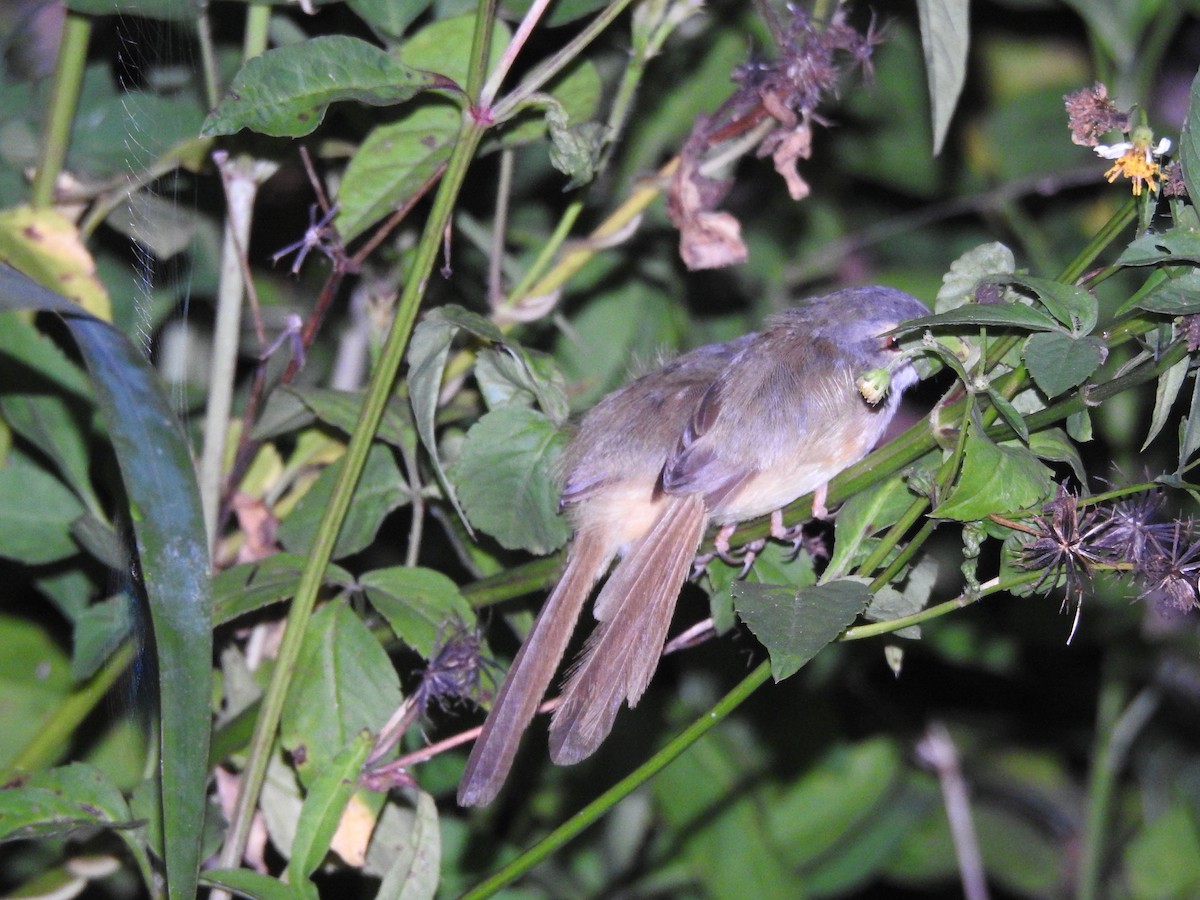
<point x="1092" y="114"/>
<point x="1172" y="567"/>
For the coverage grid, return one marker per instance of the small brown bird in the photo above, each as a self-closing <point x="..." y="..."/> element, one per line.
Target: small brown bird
<point x="725" y="433"/>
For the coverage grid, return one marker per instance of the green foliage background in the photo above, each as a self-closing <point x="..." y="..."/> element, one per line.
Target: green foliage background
<point x="499" y="257"/>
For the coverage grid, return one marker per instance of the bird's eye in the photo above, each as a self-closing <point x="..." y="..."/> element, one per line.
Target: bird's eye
<point x="889" y="343"/>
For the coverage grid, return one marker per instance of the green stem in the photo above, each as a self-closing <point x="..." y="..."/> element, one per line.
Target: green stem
<point x="68" y="715"/>
<point x="258" y="20"/>
<point x="1115" y="732"/>
<point x="622" y="789"/>
<point x="378" y="392"/>
<point x="542" y="73"/>
<point x="62" y="104"/>
<point x="1112" y="229"/>
<point x="208" y="56"/>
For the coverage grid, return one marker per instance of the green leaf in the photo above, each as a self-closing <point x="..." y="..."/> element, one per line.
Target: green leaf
<point x="1176" y="245"/>
<point x="1178" y="296"/>
<point x="341" y="408"/>
<point x="561" y="13"/>
<point x="795" y="626"/>
<point x="36" y="512"/>
<point x="428" y="350"/>
<point x="1009" y="413"/>
<point x="945" y="37"/>
<point x="889" y="603"/>
<point x="444" y="46"/>
<point x="1059" y="362"/>
<point x="56" y="802"/>
<point x="1169" y="385"/>
<point x="965" y="273"/>
<point x="55" y="426"/>
<point x="612" y="330"/>
<point x="574" y="148"/>
<point x="327" y="797"/>
<point x="407" y="846"/>
<point x="1003" y="315"/>
<point x="99" y="630"/>
<point x="506" y="479"/>
<point x="995" y="478"/>
<point x="170" y="10"/>
<point x="34" y="680"/>
<point x="394" y="162"/>
<point x="1189" y="141"/>
<point x="344" y="683"/>
<point x="255" y="885"/>
<point x="417" y="603"/>
<point x="1189" y="429"/>
<point x="253" y="585"/>
<point x="514" y="376"/>
<point x="1075" y="307"/>
<point x="22" y="343"/>
<point x="835" y="798"/>
<point x="866" y="513"/>
<point x="285" y="91"/>
<point x="1054" y="444"/>
<point x="159" y="479"/>
<point x="1163" y="859"/>
<point x="389" y="18"/>
<point x="711" y="798"/>
<point x="379" y="492"/>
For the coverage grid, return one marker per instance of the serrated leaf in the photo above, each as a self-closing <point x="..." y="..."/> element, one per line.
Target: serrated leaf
<point x="506" y="480"/>
<point x="995" y="478"/>
<point x="795" y="625"/>
<point x="379" y="492"/>
<point x="1075" y="307"/>
<point x="327" y="797"/>
<point x="1059" y="362"/>
<point x="344" y="683"/>
<point x="945" y="36"/>
<point x="253" y="585"/>
<point x="417" y="603"/>
<point x="285" y="91"/>
<point x="1166" y="390"/>
<point x="1004" y="315"/>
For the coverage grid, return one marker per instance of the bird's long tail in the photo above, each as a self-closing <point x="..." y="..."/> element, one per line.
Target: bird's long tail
<point x="622" y="653"/>
<point x="531" y="672"/>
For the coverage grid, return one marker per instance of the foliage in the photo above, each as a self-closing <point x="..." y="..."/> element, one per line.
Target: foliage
<point x="223" y="247"/>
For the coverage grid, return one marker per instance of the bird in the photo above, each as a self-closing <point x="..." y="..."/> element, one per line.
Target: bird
<point x="720" y="435"/>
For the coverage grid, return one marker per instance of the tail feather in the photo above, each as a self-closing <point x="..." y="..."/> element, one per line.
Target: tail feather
<point x="622" y="653"/>
<point x="531" y="673"/>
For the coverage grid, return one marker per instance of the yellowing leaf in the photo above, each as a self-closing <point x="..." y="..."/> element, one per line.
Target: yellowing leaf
<point x="45" y="245"/>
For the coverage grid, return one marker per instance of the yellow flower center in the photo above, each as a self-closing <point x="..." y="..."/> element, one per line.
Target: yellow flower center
<point x="1138" y="165"/>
